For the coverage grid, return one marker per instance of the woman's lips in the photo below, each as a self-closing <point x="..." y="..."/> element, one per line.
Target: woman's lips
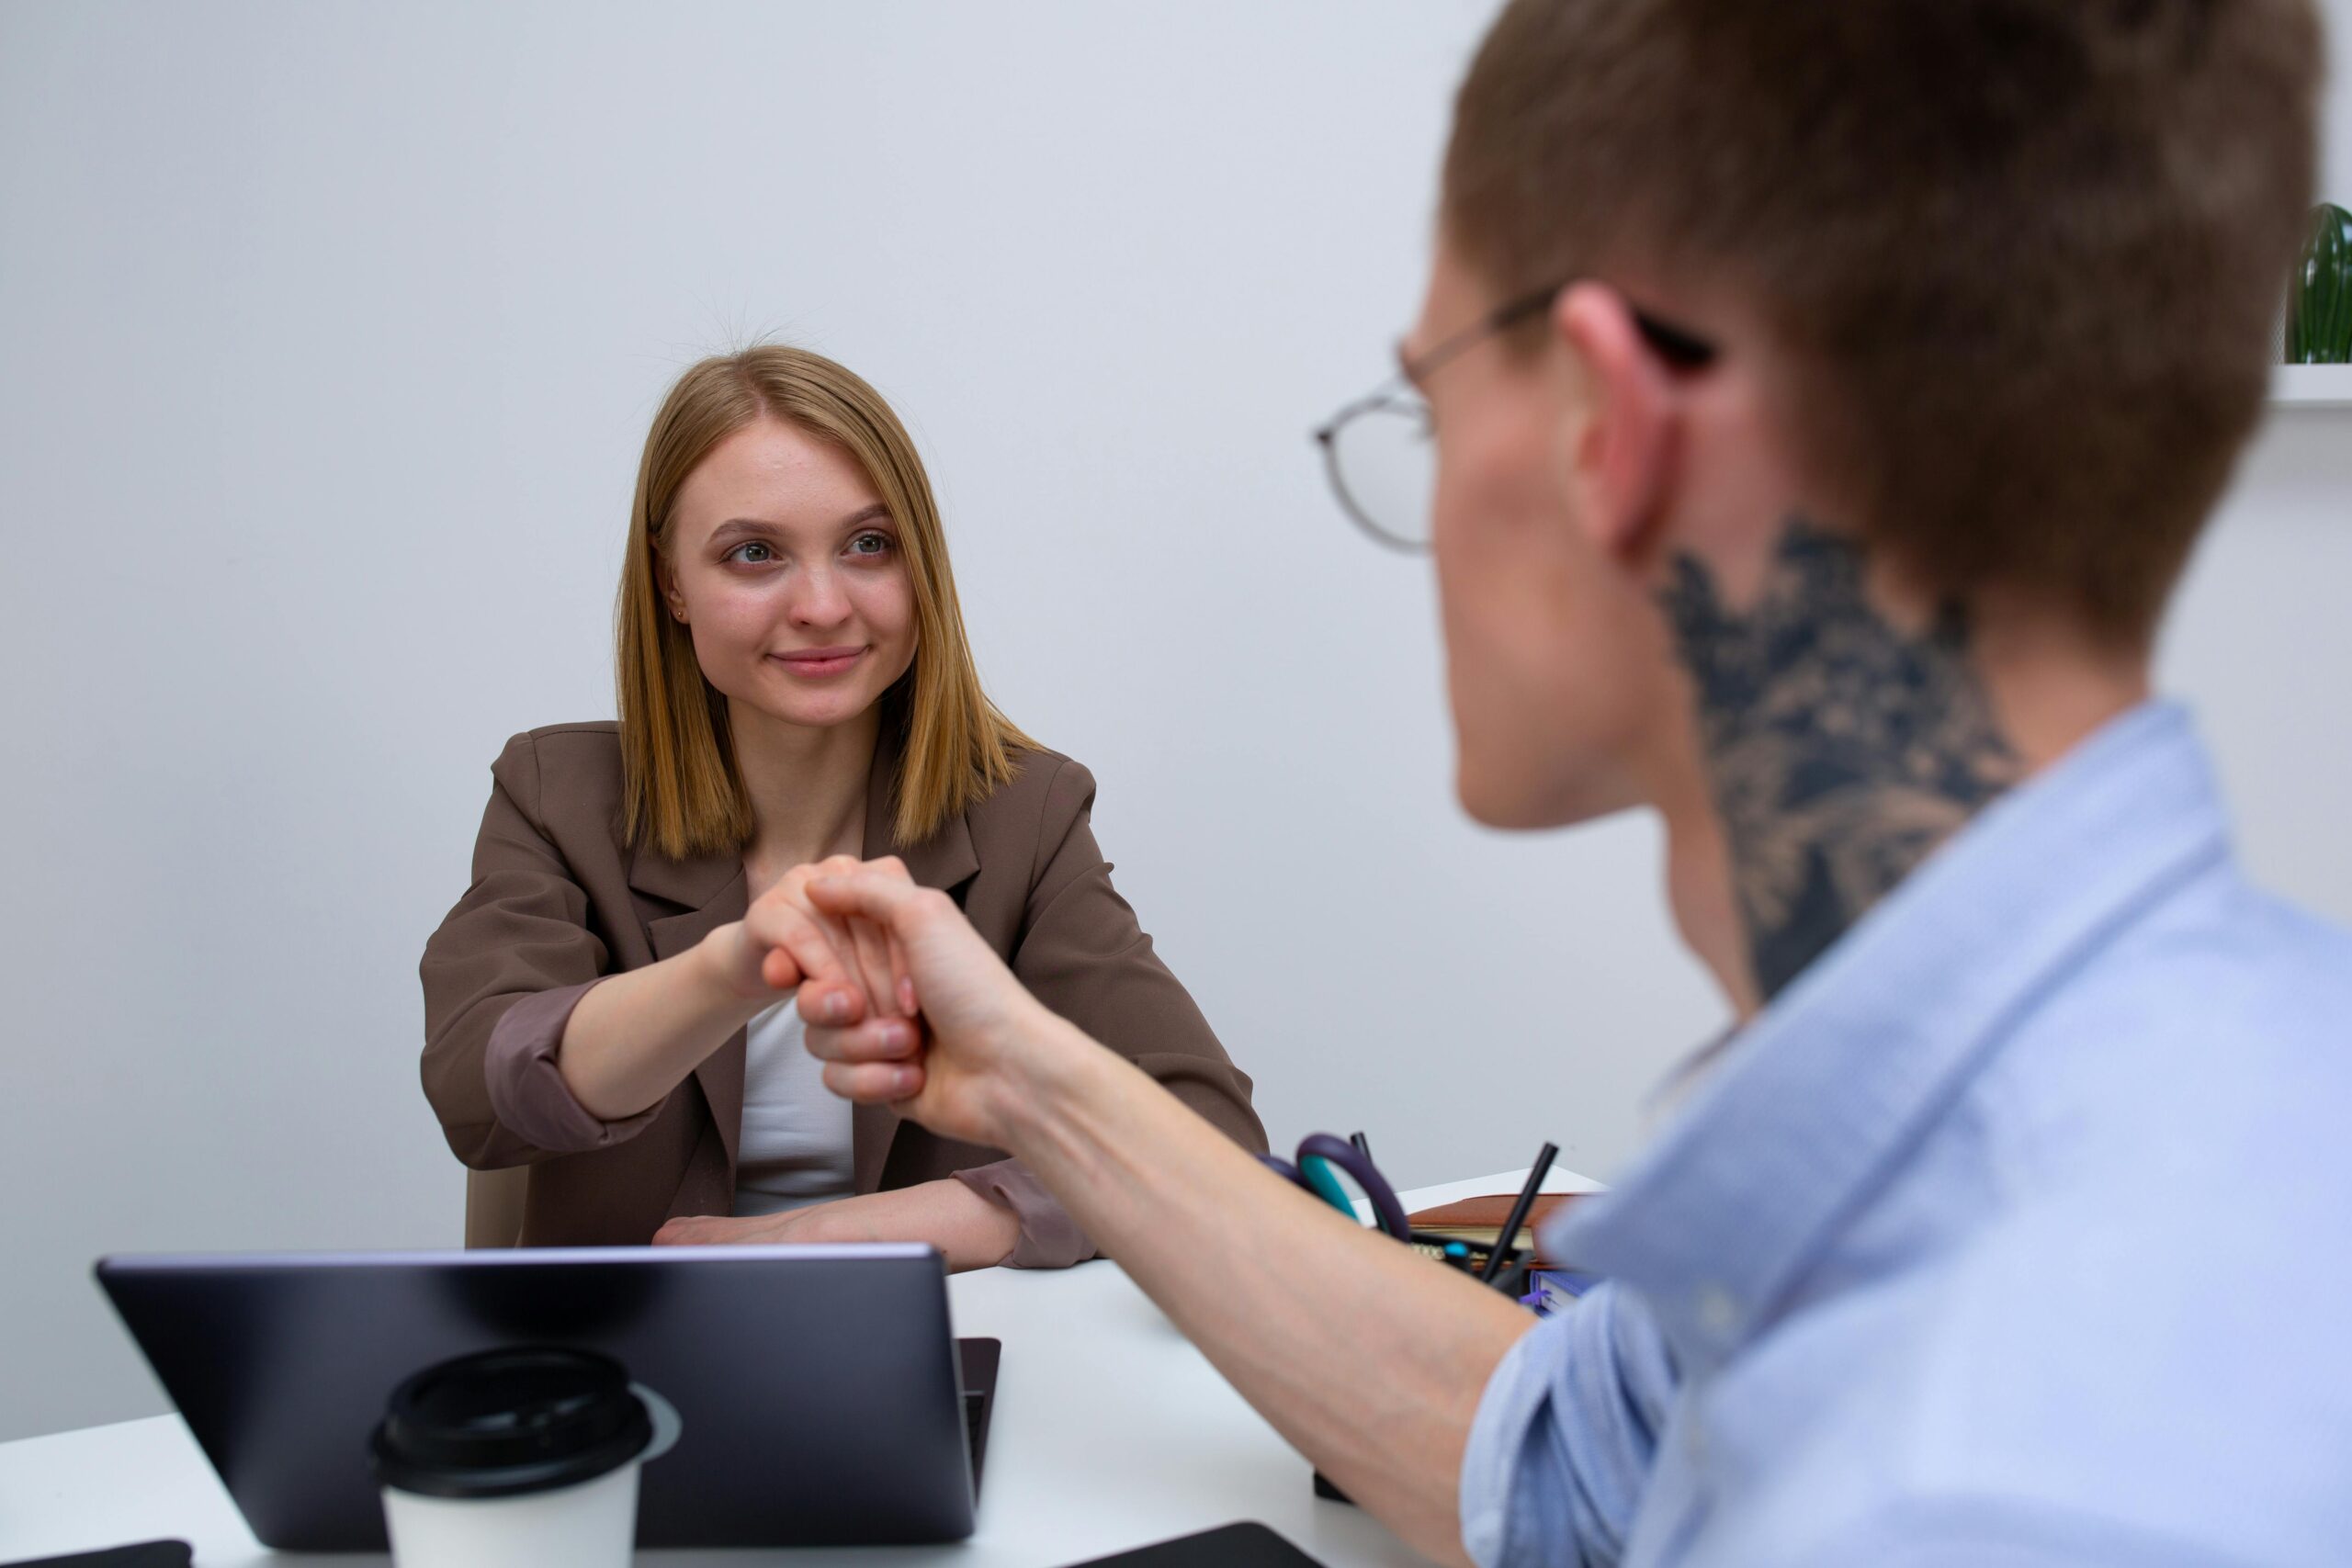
<point x="815" y="663"/>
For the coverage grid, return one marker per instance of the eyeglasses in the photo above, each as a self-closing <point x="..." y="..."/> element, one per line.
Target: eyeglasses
<point x="1380" y="450"/>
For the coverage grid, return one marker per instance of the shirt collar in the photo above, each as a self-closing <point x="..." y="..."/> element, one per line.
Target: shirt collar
<point x="1843" y="1074"/>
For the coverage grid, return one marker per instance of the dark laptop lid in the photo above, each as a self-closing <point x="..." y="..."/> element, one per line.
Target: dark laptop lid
<point x="817" y="1387"/>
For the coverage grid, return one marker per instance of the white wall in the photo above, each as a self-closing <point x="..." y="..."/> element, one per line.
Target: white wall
<point x="327" y="337"/>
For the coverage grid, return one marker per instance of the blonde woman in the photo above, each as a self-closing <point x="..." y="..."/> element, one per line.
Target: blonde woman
<point x="609" y="1005"/>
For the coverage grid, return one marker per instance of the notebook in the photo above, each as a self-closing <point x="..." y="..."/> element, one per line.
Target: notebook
<point x="1479" y="1221"/>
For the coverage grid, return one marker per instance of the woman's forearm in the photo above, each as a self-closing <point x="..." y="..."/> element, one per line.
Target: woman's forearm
<point x="634" y="1037"/>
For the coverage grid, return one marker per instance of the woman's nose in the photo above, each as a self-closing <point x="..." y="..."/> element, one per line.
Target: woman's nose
<point x="817" y="599"/>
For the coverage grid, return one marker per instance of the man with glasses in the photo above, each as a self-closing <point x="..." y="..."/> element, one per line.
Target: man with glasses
<point x="1823" y="401"/>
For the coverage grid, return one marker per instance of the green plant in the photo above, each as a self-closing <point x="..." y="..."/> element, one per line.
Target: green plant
<point x="2319" y="307"/>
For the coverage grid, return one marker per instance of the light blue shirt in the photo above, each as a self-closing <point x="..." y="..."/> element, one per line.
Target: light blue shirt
<point x="2017" y="1231"/>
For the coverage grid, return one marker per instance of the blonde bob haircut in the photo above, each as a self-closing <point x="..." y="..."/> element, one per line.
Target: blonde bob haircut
<point x="681" y="790"/>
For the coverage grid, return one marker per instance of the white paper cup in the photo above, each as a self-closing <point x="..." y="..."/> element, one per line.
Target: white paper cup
<point x="592" y="1524"/>
<point x="514" y="1459"/>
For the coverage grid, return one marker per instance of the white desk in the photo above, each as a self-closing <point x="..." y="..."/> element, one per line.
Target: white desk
<point x="1110" y="1431"/>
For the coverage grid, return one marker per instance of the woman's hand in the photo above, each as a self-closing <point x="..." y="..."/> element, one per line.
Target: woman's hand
<point x="969" y="1230"/>
<point x="636" y="1035"/>
<point x="981" y="1049"/>
<point x="783" y="940"/>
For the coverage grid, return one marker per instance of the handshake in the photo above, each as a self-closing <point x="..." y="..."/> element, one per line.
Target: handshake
<point x="904" y="1002"/>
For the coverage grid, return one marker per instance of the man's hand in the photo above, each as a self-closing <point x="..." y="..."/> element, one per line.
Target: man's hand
<point x="982" y="1043"/>
<point x="969" y="1230"/>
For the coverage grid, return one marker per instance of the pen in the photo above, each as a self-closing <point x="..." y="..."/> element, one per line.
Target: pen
<point x="1535" y="1176"/>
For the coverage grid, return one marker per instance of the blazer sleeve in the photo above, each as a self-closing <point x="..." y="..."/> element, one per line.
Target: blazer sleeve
<point x="1084" y="955"/>
<point x="501" y="976"/>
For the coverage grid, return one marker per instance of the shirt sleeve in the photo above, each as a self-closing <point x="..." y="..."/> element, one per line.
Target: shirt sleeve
<point x="1049" y="1237"/>
<point x="526" y="1088"/>
<point x="1561" y="1447"/>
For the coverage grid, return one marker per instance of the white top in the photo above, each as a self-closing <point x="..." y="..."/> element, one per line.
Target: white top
<point x="795" y="1149"/>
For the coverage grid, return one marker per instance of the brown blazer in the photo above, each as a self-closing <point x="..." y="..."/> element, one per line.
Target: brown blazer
<point x="558" y="901"/>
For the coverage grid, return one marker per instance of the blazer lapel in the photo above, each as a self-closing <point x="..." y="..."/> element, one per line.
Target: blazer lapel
<point x="712" y="889"/>
<point x="945" y="860"/>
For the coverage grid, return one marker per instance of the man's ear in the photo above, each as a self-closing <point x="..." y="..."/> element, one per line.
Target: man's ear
<point x="1620" y="452"/>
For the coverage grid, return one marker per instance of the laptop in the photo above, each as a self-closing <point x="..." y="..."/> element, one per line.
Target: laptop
<point x="816" y="1395"/>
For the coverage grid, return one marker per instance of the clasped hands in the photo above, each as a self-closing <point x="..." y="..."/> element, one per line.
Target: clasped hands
<point x="904" y="1003"/>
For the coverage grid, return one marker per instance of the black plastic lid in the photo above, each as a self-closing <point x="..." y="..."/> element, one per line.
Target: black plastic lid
<point x="501" y="1423"/>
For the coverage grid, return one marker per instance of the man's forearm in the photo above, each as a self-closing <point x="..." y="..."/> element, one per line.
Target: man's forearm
<point x="1368" y="1357"/>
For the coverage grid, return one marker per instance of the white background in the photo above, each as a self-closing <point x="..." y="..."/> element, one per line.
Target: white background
<point x="328" y="336"/>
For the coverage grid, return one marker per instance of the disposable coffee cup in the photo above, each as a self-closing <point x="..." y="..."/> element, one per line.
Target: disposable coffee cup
<point x="514" y="1459"/>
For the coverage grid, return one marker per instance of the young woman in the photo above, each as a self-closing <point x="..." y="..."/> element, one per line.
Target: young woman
<point x="609" y="1007"/>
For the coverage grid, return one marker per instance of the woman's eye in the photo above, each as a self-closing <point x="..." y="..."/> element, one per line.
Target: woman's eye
<point x="870" y="545"/>
<point x="743" y="553"/>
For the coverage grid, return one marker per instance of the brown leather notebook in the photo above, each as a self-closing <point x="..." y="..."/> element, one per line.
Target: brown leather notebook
<point x="1481" y="1220"/>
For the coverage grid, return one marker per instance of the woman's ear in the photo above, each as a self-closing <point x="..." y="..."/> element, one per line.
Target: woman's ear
<point x="668" y="582"/>
<point x="1620" y="440"/>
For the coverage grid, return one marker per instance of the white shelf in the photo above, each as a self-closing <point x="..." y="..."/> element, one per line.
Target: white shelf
<point x="2312" y="387"/>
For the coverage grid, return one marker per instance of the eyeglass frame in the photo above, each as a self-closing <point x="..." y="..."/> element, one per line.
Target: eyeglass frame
<point x="1682" y="346"/>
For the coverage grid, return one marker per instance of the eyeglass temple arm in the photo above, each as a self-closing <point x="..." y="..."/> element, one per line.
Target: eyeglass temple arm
<point x="1679" y="344"/>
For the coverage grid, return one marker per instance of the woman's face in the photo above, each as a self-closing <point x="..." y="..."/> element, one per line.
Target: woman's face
<point x="787" y="568"/>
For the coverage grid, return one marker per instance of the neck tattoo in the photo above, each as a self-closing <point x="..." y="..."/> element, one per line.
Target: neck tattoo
<point x="1840" y="750"/>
